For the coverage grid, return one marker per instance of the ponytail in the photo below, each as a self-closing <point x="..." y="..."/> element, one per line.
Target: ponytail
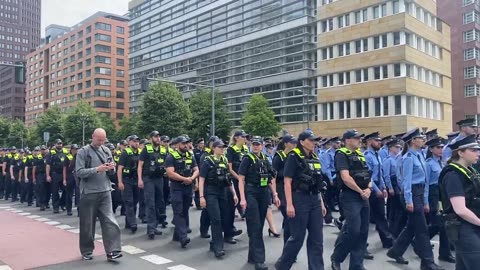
<point x="405" y="148"/>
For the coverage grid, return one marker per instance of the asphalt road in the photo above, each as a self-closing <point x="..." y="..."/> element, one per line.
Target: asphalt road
<point x="162" y="253"/>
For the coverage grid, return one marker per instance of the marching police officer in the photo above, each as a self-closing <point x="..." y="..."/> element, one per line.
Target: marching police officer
<point x="128" y="181"/>
<point x="181" y="170"/>
<point x="2" y="178"/>
<point x="377" y="201"/>
<point x="69" y="178"/>
<point x="16" y="173"/>
<point x="460" y="193"/>
<point x="467" y="127"/>
<point x="352" y="168"/>
<point x="39" y="178"/>
<point x="235" y="152"/>
<point x="305" y="208"/>
<point x="434" y="167"/>
<point x="415" y="191"/>
<point x="7" y="161"/>
<point x="28" y="185"/>
<point x="214" y="178"/>
<point x="55" y="161"/>
<point x="151" y="170"/>
<point x="255" y="176"/>
<point x="287" y="144"/>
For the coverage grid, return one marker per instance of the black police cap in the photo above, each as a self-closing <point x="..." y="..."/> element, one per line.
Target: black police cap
<point x="469" y="142"/>
<point x="308" y="135"/>
<point x="410" y="135"/>
<point x="374" y="136"/>
<point x="154" y="133"/>
<point x="438" y="141"/>
<point x="467" y="122"/>
<point x="352" y="133"/>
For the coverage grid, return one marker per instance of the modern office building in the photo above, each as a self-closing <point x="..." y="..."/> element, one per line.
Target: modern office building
<point x="88" y="61"/>
<point x="19" y="35"/>
<point x="244" y="46"/>
<point x="463" y="16"/>
<point x="382" y="66"/>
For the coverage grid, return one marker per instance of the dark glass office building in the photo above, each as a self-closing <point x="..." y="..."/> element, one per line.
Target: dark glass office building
<point x="244" y="46"/>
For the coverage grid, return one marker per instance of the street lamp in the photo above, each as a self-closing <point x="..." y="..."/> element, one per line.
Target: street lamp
<point x="84" y="118"/>
<point x="212" y="86"/>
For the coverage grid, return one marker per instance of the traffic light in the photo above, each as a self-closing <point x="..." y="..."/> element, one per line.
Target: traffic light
<point x="19" y="73"/>
<point x="144" y="84"/>
<point x="207" y="128"/>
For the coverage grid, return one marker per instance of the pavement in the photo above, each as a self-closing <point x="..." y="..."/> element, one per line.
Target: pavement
<point x="31" y="239"/>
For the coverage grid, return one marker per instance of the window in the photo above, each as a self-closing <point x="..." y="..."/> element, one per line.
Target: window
<point x="101" y="104"/>
<point x="103" y="82"/>
<point x="120" y="84"/>
<point x="103" y="59"/>
<point x="376" y="72"/>
<point x="120" y="105"/>
<point x="103" y="48"/>
<point x="385" y="72"/>
<point x="120" y="73"/>
<point x="397" y="70"/>
<point x="472" y="90"/>
<point x="102" y="93"/>
<point x="120" y="94"/>
<point x="103" y="71"/>
<point x="469" y="54"/>
<point x="120" y="40"/>
<point x="120" y="51"/>
<point x="103" y="26"/>
<point x="376" y="12"/>
<point x="376" y="42"/>
<point x="378" y="107"/>
<point x="470" y="72"/>
<point x="398" y="105"/>
<point x="120" y="30"/>
<point x="396" y="6"/>
<point x="120" y="116"/>
<point x="396" y="38"/>
<point x="120" y="62"/>
<point x="102" y="37"/>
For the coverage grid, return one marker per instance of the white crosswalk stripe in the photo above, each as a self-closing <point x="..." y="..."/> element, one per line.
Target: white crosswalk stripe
<point x="33" y="216"/>
<point x="155" y="259"/>
<point x="52" y="223"/>
<point x="132" y="250"/>
<point x="180" y="267"/>
<point x="42" y="219"/>
<point x="24" y="214"/>
<point x="77" y="231"/>
<point x="5" y="267"/>
<point x="64" y="227"/>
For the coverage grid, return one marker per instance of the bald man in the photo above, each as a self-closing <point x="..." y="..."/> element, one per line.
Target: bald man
<point x="94" y="163"/>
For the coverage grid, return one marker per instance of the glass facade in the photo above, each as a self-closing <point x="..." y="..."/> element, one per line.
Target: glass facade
<point x="244" y="47"/>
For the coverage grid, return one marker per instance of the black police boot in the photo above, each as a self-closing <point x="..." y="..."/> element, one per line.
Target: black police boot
<point x="184" y="242"/>
<point x="219" y="254"/>
<point x="133" y="229"/>
<point x="430" y="266"/>
<point x="449" y="258"/>
<point x="261" y="266"/>
<point x="335" y="264"/>
<point x="204" y="235"/>
<point x="398" y="259"/>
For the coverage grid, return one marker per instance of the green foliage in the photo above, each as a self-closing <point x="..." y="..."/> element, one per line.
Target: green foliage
<point x="201" y="108"/>
<point x="83" y="113"/>
<point x="165" y="110"/>
<point x="107" y="123"/>
<point x="128" y="126"/>
<point x="259" y="119"/>
<point x="18" y="134"/>
<point x="51" y="121"/>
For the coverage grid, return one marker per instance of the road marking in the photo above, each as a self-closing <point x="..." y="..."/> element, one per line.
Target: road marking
<point x="99" y="240"/>
<point x="132" y="250"/>
<point x="65" y="227"/>
<point x="5" y="267"/>
<point x="9" y="209"/>
<point x="33" y="216"/>
<point x="98" y="236"/>
<point x="77" y="231"/>
<point x="434" y="242"/>
<point x="42" y="219"/>
<point x="24" y="214"/>
<point x="4" y="207"/>
<point x="52" y="223"/>
<point x="155" y="259"/>
<point x="180" y="267"/>
<point x="16" y="211"/>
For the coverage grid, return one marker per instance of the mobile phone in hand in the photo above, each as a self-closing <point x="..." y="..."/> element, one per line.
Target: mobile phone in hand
<point x="109" y="160"/>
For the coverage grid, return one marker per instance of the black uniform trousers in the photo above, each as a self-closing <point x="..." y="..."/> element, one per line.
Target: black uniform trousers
<point x="2" y="185"/>
<point x="216" y="211"/>
<point x="435" y="221"/>
<point x="230" y="219"/>
<point x="154" y="202"/>
<point x="397" y="215"/>
<point x="377" y="211"/>
<point x="131" y="198"/>
<point x="15" y="185"/>
<point x="205" y="221"/>
<point x="283" y="210"/>
<point x="416" y="228"/>
<point x="8" y="185"/>
<point x="257" y="199"/>
<point x="181" y="198"/>
<point x="354" y="234"/>
<point x="70" y="192"/>
<point x="467" y="247"/>
<point x="308" y="217"/>
<point x="141" y="204"/>
<point x="41" y="187"/>
<point x="27" y="189"/>
<point x="56" y="185"/>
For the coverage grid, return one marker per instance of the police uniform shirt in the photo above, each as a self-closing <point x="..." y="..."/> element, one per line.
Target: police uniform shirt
<point x="233" y="156"/>
<point x="17" y="164"/>
<point x="39" y="163"/>
<point x="70" y="165"/>
<point x="197" y="153"/>
<point x="434" y="167"/>
<point x="341" y="162"/>
<point x="170" y="161"/>
<point x="247" y="162"/>
<point x="125" y="161"/>
<point x="292" y="166"/>
<point x="389" y="169"/>
<point x="278" y="165"/>
<point x="49" y="159"/>
<point x="453" y="185"/>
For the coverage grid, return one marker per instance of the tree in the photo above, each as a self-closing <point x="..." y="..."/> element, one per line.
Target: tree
<point x="107" y="123"/>
<point x="201" y="108"/>
<point x="51" y="121"/>
<point x="259" y="119"/>
<point x="128" y="126"/>
<point x="18" y="134"/>
<point x="165" y="110"/>
<point x="5" y="126"/>
<point x="76" y="117"/>
<point x="32" y="138"/>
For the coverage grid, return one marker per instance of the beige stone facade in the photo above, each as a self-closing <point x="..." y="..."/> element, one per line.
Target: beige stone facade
<point x="382" y="66"/>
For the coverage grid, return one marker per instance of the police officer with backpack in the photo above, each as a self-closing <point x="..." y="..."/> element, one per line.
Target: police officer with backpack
<point x="151" y="170"/>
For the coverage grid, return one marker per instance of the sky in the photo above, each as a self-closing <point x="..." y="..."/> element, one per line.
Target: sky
<point x="71" y="12"/>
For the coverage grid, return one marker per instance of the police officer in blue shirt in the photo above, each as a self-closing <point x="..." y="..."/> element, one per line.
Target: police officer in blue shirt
<point x="328" y="169"/>
<point x="352" y="169"/>
<point x="467" y="127"/>
<point x="383" y="152"/>
<point x="415" y="191"/>
<point x="396" y="211"/>
<point x="434" y="167"/>
<point x="303" y="181"/>
<point x="377" y="200"/>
